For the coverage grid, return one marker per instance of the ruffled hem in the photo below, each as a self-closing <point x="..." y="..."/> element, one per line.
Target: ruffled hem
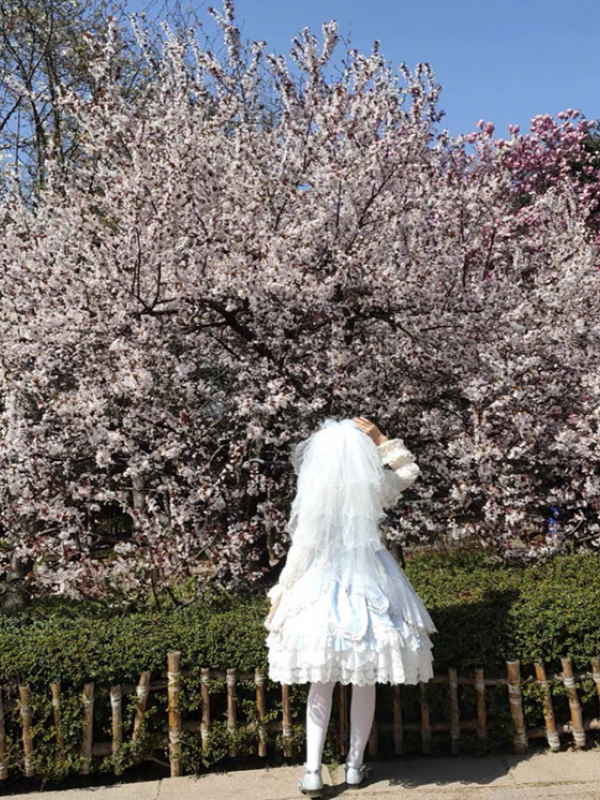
<point x="352" y="666"/>
<point x="390" y="651"/>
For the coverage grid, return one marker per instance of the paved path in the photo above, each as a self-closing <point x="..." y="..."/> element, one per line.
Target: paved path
<point x="575" y="776"/>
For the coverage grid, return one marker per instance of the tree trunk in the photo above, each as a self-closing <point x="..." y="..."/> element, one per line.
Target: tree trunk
<point x="14" y="595"/>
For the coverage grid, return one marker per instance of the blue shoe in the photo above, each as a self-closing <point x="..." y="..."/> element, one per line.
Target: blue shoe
<point x="355" y="775"/>
<point x="311" y="783"/>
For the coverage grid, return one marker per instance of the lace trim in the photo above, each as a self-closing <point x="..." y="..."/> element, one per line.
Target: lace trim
<point x="311" y="676"/>
<point x="402" y="637"/>
<point x="388" y="666"/>
<point x="407" y="474"/>
<point x="394" y="453"/>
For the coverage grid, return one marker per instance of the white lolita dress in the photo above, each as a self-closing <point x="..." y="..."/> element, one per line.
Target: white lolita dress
<point x="345" y="610"/>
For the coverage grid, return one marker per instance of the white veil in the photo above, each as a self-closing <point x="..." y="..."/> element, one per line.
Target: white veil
<point x="338" y="502"/>
<point x="338" y="565"/>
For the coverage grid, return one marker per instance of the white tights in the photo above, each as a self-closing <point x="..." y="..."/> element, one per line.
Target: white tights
<point x="318" y="711"/>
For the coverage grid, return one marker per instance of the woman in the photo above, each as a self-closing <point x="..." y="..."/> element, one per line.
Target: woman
<point x="343" y="610"/>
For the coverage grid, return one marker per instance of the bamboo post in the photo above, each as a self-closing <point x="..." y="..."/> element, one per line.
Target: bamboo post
<point x="261" y="710"/>
<point x="3" y="767"/>
<point x="142" y="692"/>
<point x="513" y="669"/>
<point x="482" y="727"/>
<point x="232" y="710"/>
<point x="116" y="708"/>
<point x="205" y="723"/>
<point x="56" y="698"/>
<point x="551" y="732"/>
<point x="26" y="722"/>
<point x="173" y="693"/>
<point x="454" y="711"/>
<point x="343" y="719"/>
<point x="425" y="721"/>
<point x="596" y="672"/>
<point x="397" y="724"/>
<point x="574" y="705"/>
<point x="287" y="720"/>
<point x="88" y="728"/>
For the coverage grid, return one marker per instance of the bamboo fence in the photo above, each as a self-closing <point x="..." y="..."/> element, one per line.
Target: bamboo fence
<point x="454" y="727"/>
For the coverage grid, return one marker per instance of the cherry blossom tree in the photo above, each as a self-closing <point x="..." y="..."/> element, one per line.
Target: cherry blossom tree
<point x="48" y="47"/>
<point x="249" y="245"/>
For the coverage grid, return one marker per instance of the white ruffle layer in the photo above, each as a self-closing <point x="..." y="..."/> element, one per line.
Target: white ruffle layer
<point x="383" y="657"/>
<point x="335" y="629"/>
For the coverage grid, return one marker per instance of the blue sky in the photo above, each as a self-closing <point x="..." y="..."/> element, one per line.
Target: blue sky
<point x="500" y="61"/>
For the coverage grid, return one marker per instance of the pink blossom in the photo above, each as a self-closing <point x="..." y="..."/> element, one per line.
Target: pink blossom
<point x="209" y="281"/>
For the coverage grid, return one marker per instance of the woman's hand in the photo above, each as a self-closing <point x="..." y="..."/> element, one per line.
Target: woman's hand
<point x="272" y="611"/>
<point x="370" y="429"/>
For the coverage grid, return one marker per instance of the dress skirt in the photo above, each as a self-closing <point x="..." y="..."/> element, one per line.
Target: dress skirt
<point x="332" y="626"/>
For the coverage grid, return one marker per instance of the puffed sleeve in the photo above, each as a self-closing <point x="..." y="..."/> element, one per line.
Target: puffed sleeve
<point x="403" y="470"/>
<point x="297" y="561"/>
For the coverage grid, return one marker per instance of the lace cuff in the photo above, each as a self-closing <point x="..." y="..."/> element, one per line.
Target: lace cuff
<point x="297" y="561"/>
<point x="275" y="592"/>
<point x="407" y="474"/>
<point x="394" y="454"/>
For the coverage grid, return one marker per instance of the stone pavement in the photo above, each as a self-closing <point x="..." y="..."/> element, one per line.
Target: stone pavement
<point x="572" y="775"/>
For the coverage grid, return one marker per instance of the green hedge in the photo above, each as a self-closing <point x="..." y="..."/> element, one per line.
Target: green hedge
<point x="484" y="613"/>
<point x="76" y="643"/>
